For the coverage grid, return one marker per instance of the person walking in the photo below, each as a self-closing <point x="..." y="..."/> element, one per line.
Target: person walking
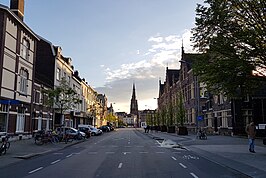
<point x="251" y="131"/>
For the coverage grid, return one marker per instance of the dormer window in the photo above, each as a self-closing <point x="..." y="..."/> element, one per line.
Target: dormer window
<point x="25" y="49"/>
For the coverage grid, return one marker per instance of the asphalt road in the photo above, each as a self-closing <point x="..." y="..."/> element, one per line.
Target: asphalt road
<point x="125" y="153"/>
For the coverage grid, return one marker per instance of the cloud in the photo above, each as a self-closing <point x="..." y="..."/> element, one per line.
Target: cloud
<point x="145" y="72"/>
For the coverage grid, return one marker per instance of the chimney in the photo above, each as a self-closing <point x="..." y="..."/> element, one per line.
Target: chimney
<point x="17" y="6"/>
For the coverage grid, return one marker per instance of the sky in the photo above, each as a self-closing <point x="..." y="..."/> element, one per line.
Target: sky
<point x="115" y="43"/>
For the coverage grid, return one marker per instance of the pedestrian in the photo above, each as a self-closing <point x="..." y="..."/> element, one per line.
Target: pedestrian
<point x="251" y="131"/>
<point x="145" y="128"/>
<point x="148" y="128"/>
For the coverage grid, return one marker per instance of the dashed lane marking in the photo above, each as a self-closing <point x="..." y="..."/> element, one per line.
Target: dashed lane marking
<point x="173" y="158"/>
<point x="120" y="165"/>
<point x="35" y="170"/>
<point x="56" y="161"/>
<point x="193" y="175"/>
<point x="143" y="152"/>
<point x="69" y="155"/>
<point x="183" y="165"/>
<point x="126" y="153"/>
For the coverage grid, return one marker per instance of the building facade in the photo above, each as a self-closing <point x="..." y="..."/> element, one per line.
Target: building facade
<point x="17" y="64"/>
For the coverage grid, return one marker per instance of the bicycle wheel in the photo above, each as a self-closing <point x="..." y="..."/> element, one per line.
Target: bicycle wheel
<point x="54" y="140"/>
<point x="70" y="138"/>
<point x="7" y="145"/>
<point x="3" y="149"/>
<point x="38" y="141"/>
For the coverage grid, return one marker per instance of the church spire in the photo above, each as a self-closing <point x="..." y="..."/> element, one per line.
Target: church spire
<point x="134" y="102"/>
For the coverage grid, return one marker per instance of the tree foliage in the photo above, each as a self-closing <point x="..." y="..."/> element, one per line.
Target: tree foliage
<point x="180" y="113"/>
<point x="62" y="97"/>
<point x="231" y="34"/>
<point x="111" y="118"/>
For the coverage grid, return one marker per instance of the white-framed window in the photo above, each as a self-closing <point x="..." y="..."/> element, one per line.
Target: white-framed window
<point x="64" y="75"/>
<point x="25" y="49"/>
<point x="58" y="74"/>
<point x="23" y="80"/>
<point x="20" y="120"/>
<point x="39" y="123"/>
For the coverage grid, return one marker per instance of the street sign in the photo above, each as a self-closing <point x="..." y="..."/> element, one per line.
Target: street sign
<point x="200" y="118"/>
<point x="9" y="102"/>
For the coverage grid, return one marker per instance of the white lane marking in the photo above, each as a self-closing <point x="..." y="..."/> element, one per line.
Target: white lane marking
<point x="183" y="165"/>
<point x="173" y="158"/>
<point x="77" y="153"/>
<point x="128" y="142"/>
<point x="69" y="155"/>
<point x="35" y="170"/>
<point x="159" y="152"/>
<point x="109" y="152"/>
<point x="126" y="153"/>
<point x="194" y="175"/>
<point x="143" y="152"/>
<point x="120" y="165"/>
<point x="93" y="153"/>
<point x="55" y="161"/>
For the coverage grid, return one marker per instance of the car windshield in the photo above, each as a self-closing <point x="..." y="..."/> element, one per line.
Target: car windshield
<point x="74" y="129"/>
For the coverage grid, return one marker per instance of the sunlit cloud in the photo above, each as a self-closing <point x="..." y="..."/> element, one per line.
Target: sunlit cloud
<point x="146" y="71"/>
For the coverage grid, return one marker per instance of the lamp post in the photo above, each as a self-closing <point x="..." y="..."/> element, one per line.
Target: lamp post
<point x="197" y="93"/>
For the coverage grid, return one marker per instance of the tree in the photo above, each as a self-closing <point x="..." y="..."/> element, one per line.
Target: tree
<point x="111" y="118"/>
<point x="232" y="36"/>
<point x="180" y="114"/>
<point x="62" y="98"/>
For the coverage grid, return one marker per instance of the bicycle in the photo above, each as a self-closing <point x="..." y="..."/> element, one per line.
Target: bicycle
<point x="41" y="137"/>
<point x="5" y="145"/>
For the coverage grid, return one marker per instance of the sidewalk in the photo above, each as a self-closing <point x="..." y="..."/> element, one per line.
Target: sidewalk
<point x="25" y="149"/>
<point x="229" y="151"/>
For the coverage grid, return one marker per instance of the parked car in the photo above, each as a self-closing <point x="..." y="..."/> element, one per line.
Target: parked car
<point x="85" y="129"/>
<point x="71" y="131"/>
<point x="105" y="128"/>
<point x="94" y="131"/>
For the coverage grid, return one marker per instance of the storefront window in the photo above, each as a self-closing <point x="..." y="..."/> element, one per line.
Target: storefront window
<point x="2" y="122"/>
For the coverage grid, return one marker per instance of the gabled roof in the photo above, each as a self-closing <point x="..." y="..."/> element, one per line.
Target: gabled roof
<point x="18" y="20"/>
<point x="172" y="75"/>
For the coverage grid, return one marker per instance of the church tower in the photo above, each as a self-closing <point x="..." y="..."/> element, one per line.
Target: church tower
<point x="134" y="102"/>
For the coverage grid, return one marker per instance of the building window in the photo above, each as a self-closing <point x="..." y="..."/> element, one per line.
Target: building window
<point x="64" y="75"/>
<point x="37" y="97"/>
<point x="25" y="48"/>
<point x="58" y="74"/>
<point x="23" y="80"/>
<point x="20" y="120"/>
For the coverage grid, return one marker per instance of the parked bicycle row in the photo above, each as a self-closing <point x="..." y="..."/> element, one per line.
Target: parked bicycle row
<point x="68" y="134"/>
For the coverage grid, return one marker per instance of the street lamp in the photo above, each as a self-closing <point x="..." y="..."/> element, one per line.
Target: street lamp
<point x="197" y="93"/>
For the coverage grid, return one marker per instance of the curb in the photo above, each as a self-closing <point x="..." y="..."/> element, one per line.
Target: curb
<point x="31" y="155"/>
